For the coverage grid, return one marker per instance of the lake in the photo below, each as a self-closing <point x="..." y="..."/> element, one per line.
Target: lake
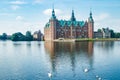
<point x="65" y="60"/>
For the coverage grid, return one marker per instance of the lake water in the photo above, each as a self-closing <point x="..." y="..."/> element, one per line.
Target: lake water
<point x="66" y="61"/>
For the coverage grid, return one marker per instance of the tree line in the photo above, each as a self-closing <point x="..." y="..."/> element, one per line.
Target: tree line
<point x="18" y="36"/>
<point x="114" y="34"/>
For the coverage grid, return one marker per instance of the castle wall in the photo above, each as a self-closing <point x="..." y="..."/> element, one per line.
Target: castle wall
<point x="90" y="30"/>
<point x="69" y="32"/>
<point x="58" y="30"/>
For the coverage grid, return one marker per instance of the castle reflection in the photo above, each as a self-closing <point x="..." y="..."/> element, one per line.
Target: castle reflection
<point x="69" y="54"/>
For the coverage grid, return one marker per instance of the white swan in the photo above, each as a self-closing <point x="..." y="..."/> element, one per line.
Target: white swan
<point x="98" y="78"/>
<point x="86" y="70"/>
<point x="49" y="74"/>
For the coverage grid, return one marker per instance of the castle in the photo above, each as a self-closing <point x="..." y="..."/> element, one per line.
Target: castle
<point x="70" y="29"/>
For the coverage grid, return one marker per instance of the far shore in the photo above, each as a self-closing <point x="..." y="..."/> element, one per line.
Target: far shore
<point x="76" y="40"/>
<point x="87" y="39"/>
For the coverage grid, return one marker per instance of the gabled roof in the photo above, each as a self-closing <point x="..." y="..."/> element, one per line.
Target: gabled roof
<point x="47" y="25"/>
<point x="105" y="30"/>
<point x="71" y="23"/>
<point x="68" y="23"/>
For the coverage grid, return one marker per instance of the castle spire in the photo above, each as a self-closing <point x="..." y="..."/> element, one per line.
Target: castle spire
<point x="53" y="13"/>
<point x="90" y="13"/>
<point x="90" y="17"/>
<point x="73" y="17"/>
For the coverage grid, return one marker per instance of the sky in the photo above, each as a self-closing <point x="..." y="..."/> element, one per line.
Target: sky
<point x="32" y="15"/>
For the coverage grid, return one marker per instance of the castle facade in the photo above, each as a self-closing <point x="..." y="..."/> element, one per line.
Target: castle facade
<point x="68" y="29"/>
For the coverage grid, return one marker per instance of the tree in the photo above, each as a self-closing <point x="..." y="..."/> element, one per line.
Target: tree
<point x="18" y="37"/>
<point x="112" y="34"/>
<point x="99" y="30"/>
<point x="3" y="36"/>
<point x="117" y="35"/>
<point x="28" y="36"/>
<point x="0" y="36"/>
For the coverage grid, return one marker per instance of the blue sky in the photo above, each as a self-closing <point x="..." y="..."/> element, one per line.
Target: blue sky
<point x="32" y="15"/>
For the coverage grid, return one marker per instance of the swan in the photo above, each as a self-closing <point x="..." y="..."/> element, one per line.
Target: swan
<point x="49" y="74"/>
<point x="98" y="78"/>
<point x="86" y="70"/>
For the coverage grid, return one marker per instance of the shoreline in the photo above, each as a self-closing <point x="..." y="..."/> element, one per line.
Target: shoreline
<point x="75" y="40"/>
<point x="87" y="39"/>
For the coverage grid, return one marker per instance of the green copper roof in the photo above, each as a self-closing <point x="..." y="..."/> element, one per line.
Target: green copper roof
<point x="70" y="23"/>
<point x="47" y="25"/>
<point x="62" y="23"/>
<point x="73" y="17"/>
<point x="53" y="14"/>
<point x="90" y="18"/>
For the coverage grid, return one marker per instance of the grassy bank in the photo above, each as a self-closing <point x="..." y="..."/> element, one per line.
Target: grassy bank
<point x="88" y="39"/>
<point x="98" y="39"/>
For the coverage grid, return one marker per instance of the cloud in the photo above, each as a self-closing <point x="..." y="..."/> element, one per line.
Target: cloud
<point x="102" y="20"/>
<point x="15" y="7"/>
<point x="49" y="12"/>
<point x="5" y="14"/>
<point x="19" y="18"/>
<point x="17" y="2"/>
<point x="101" y="16"/>
<point x="66" y="17"/>
<point x="37" y="1"/>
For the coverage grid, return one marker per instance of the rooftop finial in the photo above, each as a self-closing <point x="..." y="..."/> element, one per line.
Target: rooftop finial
<point x="90" y="13"/>
<point x="90" y="9"/>
<point x="90" y="16"/>
<point x="53" y="6"/>
<point x="73" y="17"/>
<point x="53" y="13"/>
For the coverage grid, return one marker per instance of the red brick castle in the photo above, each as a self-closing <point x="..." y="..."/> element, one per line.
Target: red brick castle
<point x="71" y="29"/>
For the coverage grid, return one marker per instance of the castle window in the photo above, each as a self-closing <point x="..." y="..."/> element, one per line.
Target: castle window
<point x="78" y="30"/>
<point x="73" y="29"/>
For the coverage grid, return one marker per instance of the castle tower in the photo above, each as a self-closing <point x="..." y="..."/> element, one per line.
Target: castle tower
<point x="53" y="24"/>
<point x="90" y="26"/>
<point x="73" y="17"/>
